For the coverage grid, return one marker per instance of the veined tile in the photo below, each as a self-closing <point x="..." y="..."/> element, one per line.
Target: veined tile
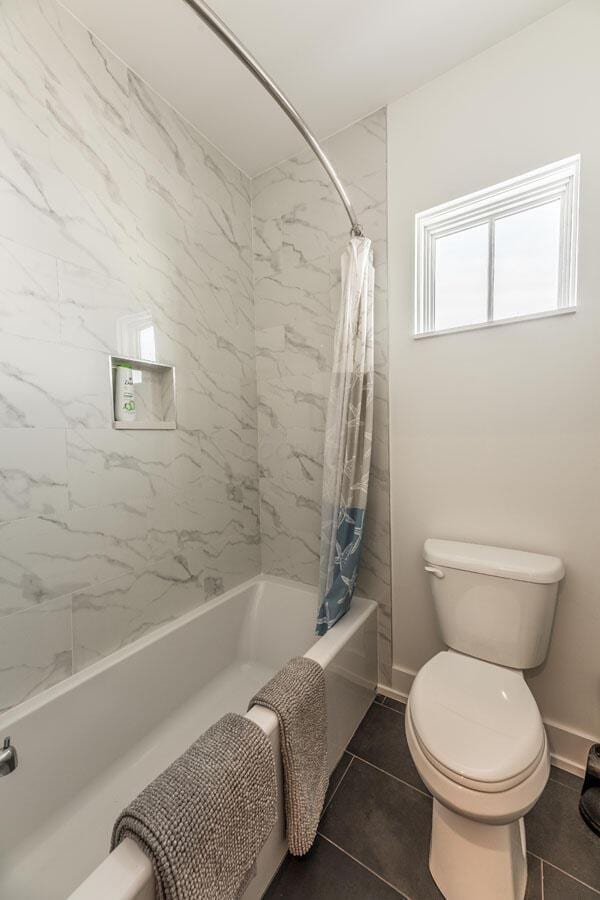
<point x="206" y="401"/>
<point x="182" y="149"/>
<point x="305" y="348"/>
<point x="35" y="650"/>
<point x="94" y="309"/>
<point x="33" y="472"/>
<point x="28" y="293"/>
<point x="360" y="149"/>
<point x="292" y="401"/>
<point x="51" y="42"/>
<point x="290" y="517"/>
<point x="48" y="385"/>
<point x="316" y="228"/>
<point x="111" y="615"/>
<point x="112" y="466"/>
<point x="43" y="209"/>
<point x="48" y="557"/>
<point x="293" y="291"/>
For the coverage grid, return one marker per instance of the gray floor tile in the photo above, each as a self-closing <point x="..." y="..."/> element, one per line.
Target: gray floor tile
<point x="534" y="878"/>
<point x="557" y="833"/>
<point x="336" y="776"/>
<point x="398" y="705"/>
<point x="380" y="739"/>
<point x="386" y="825"/>
<point x="566" y="778"/>
<point x="558" y="886"/>
<point x="379" y="698"/>
<point x="327" y="874"/>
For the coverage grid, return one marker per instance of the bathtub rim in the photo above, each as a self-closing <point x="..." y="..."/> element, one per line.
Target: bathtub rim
<point x="127" y="865"/>
<point x="322" y="650"/>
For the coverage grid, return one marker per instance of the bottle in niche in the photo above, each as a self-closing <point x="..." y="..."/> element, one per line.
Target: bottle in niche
<point x="124" y="394"/>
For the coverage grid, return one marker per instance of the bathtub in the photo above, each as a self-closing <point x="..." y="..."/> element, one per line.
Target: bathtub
<point x="88" y="745"/>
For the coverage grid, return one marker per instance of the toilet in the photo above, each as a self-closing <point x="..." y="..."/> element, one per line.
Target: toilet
<point x="473" y="727"/>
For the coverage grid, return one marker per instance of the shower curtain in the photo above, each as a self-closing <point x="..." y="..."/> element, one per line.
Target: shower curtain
<point x="348" y="437"/>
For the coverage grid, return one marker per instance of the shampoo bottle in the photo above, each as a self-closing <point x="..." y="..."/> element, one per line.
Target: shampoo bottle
<point x="124" y="394"/>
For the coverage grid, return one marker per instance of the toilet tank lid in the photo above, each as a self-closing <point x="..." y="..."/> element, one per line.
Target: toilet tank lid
<point x="516" y="564"/>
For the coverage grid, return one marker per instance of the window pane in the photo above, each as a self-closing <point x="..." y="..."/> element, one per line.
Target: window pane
<point x="526" y="261"/>
<point x="461" y="278"/>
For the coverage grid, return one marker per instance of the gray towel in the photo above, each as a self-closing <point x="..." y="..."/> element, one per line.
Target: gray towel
<point x="203" y="821"/>
<point x="297" y="696"/>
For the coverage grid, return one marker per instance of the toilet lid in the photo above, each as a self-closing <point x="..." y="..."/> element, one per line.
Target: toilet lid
<point x="475" y="719"/>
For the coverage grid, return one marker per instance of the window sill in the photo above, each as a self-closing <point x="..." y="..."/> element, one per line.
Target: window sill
<point x="566" y="310"/>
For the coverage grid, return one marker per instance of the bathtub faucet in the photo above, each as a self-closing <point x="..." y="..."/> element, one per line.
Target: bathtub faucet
<point x="8" y="758"/>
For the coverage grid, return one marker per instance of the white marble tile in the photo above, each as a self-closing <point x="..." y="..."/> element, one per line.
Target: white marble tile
<point x="35" y="650"/>
<point x="290" y="523"/>
<point x="182" y="149"/>
<point x="111" y="466"/>
<point x="291" y="289"/>
<point x="44" y="210"/>
<point x="293" y="400"/>
<point x="51" y="556"/>
<point x="28" y="293"/>
<point x="207" y="400"/>
<point x="94" y="309"/>
<point x="105" y="186"/>
<point x="45" y="385"/>
<point x="361" y="149"/>
<point x="33" y="472"/>
<point x="300" y="230"/>
<point x="111" y="615"/>
<point x="305" y="348"/>
<point x="50" y="43"/>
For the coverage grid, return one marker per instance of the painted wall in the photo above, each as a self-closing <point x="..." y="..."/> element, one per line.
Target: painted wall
<point x="300" y="230"/>
<point x="112" y="206"/>
<point x="495" y="434"/>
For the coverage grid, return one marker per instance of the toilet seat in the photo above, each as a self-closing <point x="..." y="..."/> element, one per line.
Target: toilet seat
<point x="477" y="723"/>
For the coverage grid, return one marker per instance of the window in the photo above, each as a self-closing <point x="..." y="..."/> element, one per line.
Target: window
<point x="507" y="252"/>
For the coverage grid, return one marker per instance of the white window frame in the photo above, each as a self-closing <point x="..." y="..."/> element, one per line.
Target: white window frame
<point x="558" y="181"/>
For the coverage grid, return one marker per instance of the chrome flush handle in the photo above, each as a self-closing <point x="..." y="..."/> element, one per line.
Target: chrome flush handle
<point x="8" y="758"/>
<point x="433" y="570"/>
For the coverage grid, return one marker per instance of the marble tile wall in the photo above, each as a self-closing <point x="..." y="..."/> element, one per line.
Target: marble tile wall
<point x="300" y="229"/>
<point x="112" y="209"/>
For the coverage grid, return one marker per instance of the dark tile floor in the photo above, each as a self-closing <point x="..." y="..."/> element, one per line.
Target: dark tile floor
<point x="373" y="840"/>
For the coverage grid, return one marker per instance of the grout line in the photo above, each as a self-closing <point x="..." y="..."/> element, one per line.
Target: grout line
<point x="569" y="787"/>
<point x="541" y="880"/>
<point x="335" y="790"/>
<point x="354" y="859"/>
<point x="564" y="872"/>
<point x="395" y="777"/>
<point x="391" y="709"/>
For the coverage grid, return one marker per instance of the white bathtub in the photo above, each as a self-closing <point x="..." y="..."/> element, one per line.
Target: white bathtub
<point x="88" y="745"/>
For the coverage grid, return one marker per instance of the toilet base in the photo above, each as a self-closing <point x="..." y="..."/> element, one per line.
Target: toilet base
<point x="472" y="860"/>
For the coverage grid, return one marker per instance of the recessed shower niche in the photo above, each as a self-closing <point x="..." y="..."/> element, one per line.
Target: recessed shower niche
<point x="154" y="391"/>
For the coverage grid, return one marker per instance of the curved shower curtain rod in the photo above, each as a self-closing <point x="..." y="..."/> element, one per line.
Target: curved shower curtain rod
<point x="230" y="40"/>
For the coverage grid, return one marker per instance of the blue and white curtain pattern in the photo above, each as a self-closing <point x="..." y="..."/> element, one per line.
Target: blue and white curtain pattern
<point x="348" y="437"/>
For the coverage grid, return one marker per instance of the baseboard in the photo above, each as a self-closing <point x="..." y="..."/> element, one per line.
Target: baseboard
<point x="568" y="749"/>
<point x="388" y="691"/>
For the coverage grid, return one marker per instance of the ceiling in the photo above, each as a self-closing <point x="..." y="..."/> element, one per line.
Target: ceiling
<point x="337" y="60"/>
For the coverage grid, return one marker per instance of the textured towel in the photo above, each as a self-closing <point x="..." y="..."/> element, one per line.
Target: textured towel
<point x="203" y="821"/>
<point x="297" y="696"/>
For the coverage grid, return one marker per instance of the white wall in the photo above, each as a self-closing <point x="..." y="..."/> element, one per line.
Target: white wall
<point x="496" y="433"/>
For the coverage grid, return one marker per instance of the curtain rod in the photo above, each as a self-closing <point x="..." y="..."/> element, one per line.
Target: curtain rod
<point x="210" y="18"/>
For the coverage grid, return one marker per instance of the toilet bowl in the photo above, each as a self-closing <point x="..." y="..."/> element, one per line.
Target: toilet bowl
<point x="473" y="727"/>
<point x="477" y="741"/>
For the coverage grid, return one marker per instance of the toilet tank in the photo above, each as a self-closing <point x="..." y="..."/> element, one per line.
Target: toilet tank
<point x="493" y="603"/>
